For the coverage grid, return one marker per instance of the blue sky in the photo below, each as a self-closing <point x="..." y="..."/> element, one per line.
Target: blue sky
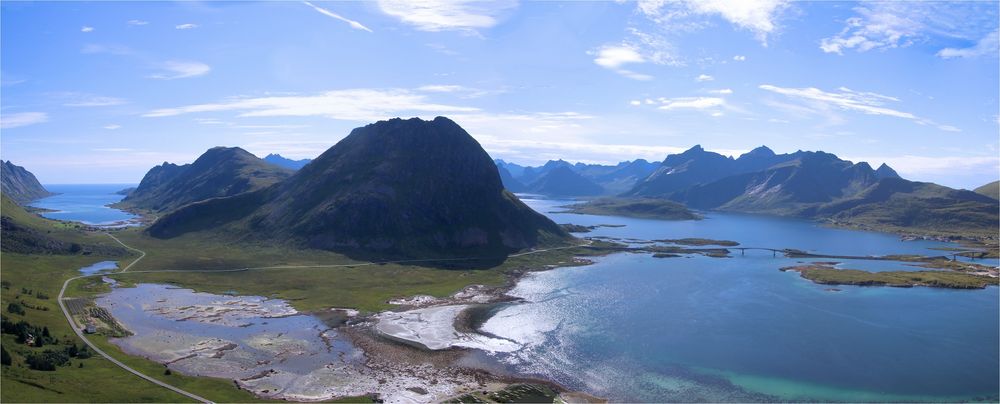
<point x="101" y="92"/>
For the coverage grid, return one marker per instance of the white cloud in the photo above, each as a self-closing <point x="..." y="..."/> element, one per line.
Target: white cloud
<point x="137" y="22"/>
<point x="8" y="121"/>
<point x="441" y="88"/>
<point x="635" y="102"/>
<point x="757" y="16"/>
<point x="986" y="46"/>
<point x="704" y="77"/>
<point x="723" y="91"/>
<point x="887" y="25"/>
<point x="668" y="104"/>
<point x="177" y="69"/>
<point x="86" y="29"/>
<point x="353" y="105"/>
<point x="328" y="13"/>
<point x="739" y="58"/>
<point x="186" y="26"/>
<point x="850" y="100"/>
<point x="448" y="15"/>
<point x="613" y="57"/>
<point x="112" y="126"/>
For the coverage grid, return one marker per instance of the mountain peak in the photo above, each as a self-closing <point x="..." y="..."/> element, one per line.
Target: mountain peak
<point x="884" y="171"/>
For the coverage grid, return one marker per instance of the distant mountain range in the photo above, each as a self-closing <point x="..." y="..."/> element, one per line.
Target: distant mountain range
<point x="220" y="171"/>
<point x="397" y="187"/>
<point x="290" y="164"/>
<point x="20" y="185"/>
<point x="563" y="179"/>
<point x="816" y="185"/>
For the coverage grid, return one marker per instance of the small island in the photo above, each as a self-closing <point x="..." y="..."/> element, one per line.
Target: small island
<point x="643" y="208"/>
<point x="826" y="274"/>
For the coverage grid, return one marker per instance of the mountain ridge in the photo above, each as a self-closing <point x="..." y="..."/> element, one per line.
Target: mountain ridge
<point x="19" y="184"/>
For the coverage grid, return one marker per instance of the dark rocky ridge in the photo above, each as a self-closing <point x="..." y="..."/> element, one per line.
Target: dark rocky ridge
<point x="220" y="171"/>
<point x="398" y="187"/>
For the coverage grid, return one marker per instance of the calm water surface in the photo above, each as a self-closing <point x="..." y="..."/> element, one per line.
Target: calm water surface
<point x="637" y="328"/>
<point x="86" y="203"/>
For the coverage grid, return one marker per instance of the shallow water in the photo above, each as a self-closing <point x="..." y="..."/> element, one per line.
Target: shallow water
<point x="103" y="266"/>
<point x="85" y="203"/>
<point x="637" y="328"/>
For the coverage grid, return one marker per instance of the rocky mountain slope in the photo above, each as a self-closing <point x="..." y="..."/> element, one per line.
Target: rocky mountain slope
<point x="19" y="184"/>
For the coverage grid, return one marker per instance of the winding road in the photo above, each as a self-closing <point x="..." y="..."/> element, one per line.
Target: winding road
<point x="79" y="333"/>
<point x="142" y="254"/>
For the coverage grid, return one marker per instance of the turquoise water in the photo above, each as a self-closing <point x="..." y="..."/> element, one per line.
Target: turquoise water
<point x="636" y="328"/>
<point x="85" y="203"/>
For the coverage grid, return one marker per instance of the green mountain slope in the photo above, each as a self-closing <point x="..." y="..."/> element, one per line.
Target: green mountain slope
<point x="220" y="171"/>
<point x="991" y="190"/>
<point x="26" y="233"/>
<point x="393" y="188"/>
<point x="20" y="185"/>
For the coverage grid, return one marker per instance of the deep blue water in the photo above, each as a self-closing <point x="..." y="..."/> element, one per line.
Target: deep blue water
<point x="637" y="328"/>
<point x="86" y="203"/>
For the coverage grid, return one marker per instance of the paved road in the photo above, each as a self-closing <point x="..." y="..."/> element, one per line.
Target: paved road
<point x="79" y="333"/>
<point x="142" y="254"/>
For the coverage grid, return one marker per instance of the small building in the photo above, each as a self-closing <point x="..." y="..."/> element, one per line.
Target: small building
<point x="91" y="328"/>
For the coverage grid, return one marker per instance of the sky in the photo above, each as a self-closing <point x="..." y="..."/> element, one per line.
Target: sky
<point x="101" y="92"/>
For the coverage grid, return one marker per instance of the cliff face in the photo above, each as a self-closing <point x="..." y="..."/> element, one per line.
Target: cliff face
<point x="19" y="184"/>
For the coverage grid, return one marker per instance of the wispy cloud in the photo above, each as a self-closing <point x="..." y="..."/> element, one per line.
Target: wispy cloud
<point x="721" y="91"/>
<point x="668" y="104"/>
<point x="328" y="13"/>
<point x="704" y="77"/>
<point x="137" y="22"/>
<point x="849" y="100"/>
<point x="75" y="99"/>
<point x="8" y="121"/>
<point x="757" y="16"/>
<point x="740" y="58"/>
<point x="113" y="126"/>
<point x="448" y="15"/>
<point x="352" y="105"/>
<point x="615" y="57"/>
<point x="986" y="46"/>
<point x="178" y="69"/>
<point x="887" y="25"/>
<point x="86" y="29"/>
<point x="186" y="26"/>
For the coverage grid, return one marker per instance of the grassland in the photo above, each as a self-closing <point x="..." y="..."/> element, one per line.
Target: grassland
<point x="827" y="275"/>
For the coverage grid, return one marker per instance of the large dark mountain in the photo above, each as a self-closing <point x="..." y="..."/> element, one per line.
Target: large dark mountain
<point x="20" y="185"/>
<point x="563" y="181"/>
<point x="680" y="171"/>
<point x="393" y="188"/>
<point x="884" y="171"/>
<point x="290" y="164"/>
<point x="220" y="171"/>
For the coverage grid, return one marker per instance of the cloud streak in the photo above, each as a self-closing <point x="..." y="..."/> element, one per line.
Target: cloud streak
<point x="16" y="120"/>
<point x="351" y="105"/>
<point x="448" y="15"/>
<point x="179" y="69"/>
<point x="849" y="100"/>
<point x="354" y="24"/>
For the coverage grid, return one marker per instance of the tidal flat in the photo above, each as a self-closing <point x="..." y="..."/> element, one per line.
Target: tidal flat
<point x="267" y="347"/>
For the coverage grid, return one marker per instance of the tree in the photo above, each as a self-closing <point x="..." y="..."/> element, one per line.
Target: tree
<point x="5" y="358"/>
<point x="167" y="372"/>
